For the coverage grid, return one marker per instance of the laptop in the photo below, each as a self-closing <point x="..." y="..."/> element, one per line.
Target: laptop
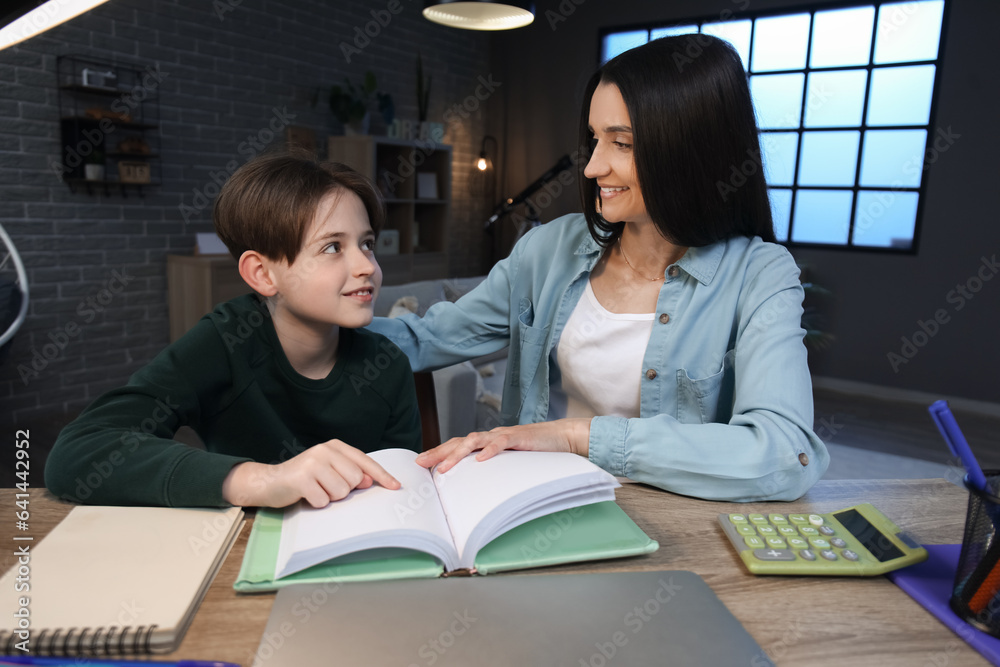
<point x="579" y="620"/>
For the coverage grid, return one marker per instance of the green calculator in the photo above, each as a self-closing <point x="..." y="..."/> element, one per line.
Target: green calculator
<point x="859" y="541"/>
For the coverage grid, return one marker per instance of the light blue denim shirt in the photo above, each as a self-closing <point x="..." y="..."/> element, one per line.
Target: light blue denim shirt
<point x="726" y="399"/>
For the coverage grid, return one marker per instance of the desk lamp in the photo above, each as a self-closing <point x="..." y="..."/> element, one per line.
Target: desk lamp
<point x="26" y="18"/>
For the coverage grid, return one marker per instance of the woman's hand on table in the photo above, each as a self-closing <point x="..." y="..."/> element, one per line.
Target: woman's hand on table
<point x="561" y="435"/>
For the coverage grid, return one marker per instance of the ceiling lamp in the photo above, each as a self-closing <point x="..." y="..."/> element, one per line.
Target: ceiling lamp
<point x="480" y="14"/>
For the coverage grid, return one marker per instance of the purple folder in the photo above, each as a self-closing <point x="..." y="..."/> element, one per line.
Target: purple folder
<point x="930" y="583"/>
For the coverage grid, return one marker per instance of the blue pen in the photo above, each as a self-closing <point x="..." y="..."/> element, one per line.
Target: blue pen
<point x="82" y="661"/>
<point x="976" y="596"/>
<point x="946" y="423"/>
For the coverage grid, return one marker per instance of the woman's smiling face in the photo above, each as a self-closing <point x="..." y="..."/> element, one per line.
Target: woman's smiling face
<point x="612" y="162"/>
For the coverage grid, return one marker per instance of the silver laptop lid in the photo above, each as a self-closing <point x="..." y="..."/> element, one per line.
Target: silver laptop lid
<point x="578" y="620"/>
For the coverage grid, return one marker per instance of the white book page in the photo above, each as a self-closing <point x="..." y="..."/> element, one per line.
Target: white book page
<point x="376" y="517"/>
<point x="507" y="485"/>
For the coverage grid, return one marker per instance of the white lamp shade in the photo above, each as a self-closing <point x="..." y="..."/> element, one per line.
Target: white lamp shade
<point x="480" y="15"/>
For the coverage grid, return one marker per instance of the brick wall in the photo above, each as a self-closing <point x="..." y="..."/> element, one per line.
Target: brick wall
<point x="97" y="263"/>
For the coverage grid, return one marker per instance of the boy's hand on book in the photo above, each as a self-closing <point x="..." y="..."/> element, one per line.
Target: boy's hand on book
<point x="321" y="474"/>
<point x="561" y="435"/>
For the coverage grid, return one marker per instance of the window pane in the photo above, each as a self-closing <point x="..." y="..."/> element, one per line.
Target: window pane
<point x="673" y="30"/>
<point x="901" y="95"/>
<point x="842" y="37"/>
<point x="822" y="216"/>
<point x="885" y="219"/>
<point x="829" y="158"/>
<point x="908" y="31"/>
<point x="736" y="33"/>
<point x="778" y="100"/>
<point x="835" y="99"/>
<point x="780" y="43"/>
<point x="778" y="150"/>
<point x="781" y="206"/>
<point x="893" y="158"/>
<point x="620" y="42"/>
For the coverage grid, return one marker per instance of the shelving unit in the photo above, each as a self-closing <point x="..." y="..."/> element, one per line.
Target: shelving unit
<point x="397" y="167"/>
<point x="112" y="109"/>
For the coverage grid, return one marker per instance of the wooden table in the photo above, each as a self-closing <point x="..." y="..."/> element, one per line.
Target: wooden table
<point x="796" y="620"/>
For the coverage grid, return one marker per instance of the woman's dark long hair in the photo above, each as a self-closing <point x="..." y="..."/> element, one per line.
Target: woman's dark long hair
<point x="695" y="137"/>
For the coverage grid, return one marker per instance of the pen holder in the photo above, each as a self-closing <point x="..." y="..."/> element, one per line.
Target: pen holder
<point x="975" y="597"/>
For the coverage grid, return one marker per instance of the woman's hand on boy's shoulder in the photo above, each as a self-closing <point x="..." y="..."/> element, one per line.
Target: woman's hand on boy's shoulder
<point x="321" y="474"/>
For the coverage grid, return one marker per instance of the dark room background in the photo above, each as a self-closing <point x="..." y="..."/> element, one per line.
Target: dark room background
<point x="229" y="68"/>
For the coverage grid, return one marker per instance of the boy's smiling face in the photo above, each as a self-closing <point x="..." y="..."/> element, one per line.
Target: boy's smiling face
<point x="335" y="278"/>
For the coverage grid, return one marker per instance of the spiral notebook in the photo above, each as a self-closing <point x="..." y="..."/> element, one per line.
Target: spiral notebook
<point x="110" y="580"/>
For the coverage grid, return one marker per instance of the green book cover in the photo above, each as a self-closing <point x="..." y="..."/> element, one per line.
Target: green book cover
<point x="589" y="532"/>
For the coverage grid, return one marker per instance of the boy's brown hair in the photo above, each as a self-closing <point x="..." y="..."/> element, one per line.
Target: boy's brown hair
<point x="268" y="203"/>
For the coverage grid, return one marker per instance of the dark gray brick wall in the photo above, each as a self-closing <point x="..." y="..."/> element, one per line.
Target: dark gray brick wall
<point x="223" y="74"/>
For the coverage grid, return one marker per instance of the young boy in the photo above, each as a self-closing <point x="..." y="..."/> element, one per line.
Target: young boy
<point x="278" y="384"/>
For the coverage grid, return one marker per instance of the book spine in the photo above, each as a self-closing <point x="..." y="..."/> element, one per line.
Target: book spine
<point x="114" y="640"/>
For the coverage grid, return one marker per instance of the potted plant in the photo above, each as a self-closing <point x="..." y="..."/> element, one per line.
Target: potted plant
<point x="813" y="320"/>
<point x="350" y="104"/>
<point x="93" y="168"/>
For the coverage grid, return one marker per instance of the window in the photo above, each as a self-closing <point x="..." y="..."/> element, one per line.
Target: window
<point x="844" y="99"/>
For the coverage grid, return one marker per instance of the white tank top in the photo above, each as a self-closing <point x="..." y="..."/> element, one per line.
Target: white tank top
<point x="599" y="357"/>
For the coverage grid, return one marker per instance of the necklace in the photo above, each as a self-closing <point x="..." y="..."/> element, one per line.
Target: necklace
<point x="622" y="248"/>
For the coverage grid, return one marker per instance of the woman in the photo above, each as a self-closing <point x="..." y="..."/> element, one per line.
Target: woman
<point x="659" y="332"/>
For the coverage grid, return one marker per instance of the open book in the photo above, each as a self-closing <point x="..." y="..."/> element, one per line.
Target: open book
<point x="443" y="522"/>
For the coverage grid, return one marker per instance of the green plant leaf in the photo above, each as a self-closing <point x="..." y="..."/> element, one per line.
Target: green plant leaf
<point x="815" y="290"/>
<point x="369" y="85"/>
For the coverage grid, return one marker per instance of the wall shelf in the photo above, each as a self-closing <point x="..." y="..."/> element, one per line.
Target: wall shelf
<point x="118" y="120"/>
<point x="422" y="223"/>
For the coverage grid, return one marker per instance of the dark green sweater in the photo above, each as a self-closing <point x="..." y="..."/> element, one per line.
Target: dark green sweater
<point x="229" y="380"/>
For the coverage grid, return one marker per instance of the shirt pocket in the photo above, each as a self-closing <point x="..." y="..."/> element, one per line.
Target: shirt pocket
<point x="525" y="358"/>
<point x="710" y="399"/>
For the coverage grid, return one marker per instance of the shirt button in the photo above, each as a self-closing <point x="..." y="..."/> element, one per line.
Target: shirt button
<point x="804" y="459"/>
<point x="673" y="271"/>
<point x="664" y="318"/>
<point x="651" y="374"/>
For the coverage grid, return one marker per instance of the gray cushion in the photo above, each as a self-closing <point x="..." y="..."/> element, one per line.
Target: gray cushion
<point x="428" y="292"/>
<point x="457" y="287"/>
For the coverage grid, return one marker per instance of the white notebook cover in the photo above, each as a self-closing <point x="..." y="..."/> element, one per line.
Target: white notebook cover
<point x="136" y="573"/>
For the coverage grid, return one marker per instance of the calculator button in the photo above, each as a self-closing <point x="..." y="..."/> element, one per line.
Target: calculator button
<point x="753" y="541"/>
<point x="798" y="519"/>
<point x="848" y="554"/>
<point x="819" y="543"/>
<point x="758" y="519"/>
<point x="788" y="530"/>
<point x="808" y="531"/>
<point x="797" y="543"/>
<point x="767" y="530"/>
<point x="826" y="530"/>
<point x="808" y="555"/>
<point x="827" y="554"/>
<point x="776" y="543"/>
<point x="746" y="530"/>
<point x="774" y="554"/>
<point x="737" y="518"/>
<point x="837" y="542"/>
<point x="816" y="519"/>
<point x="777" y="519"/>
